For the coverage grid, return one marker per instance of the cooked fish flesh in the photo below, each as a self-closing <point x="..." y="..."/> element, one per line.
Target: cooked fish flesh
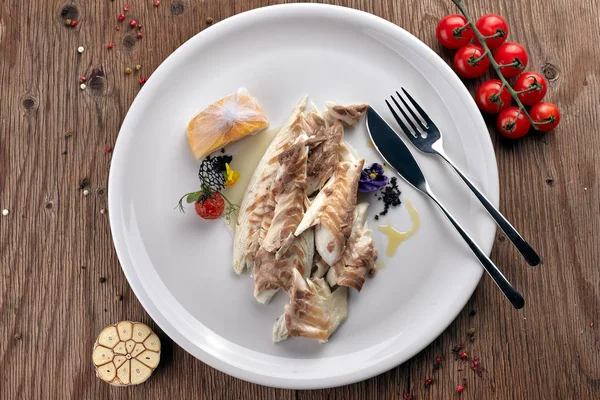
<point x="313" y="121"/>
<point x="324" y="156"/>
<point x="332" y="211"/>
<point x="290" y="197"/>
<point x="258" y="204"/>
<point x="314" y="311"/>
<point x="359" y="256"/>
<point x="349" y="115"/>
<point x="272" y="274"/>
<point x="319" y="268"/>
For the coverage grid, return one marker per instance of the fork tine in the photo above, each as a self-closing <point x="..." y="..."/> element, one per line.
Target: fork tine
<point x="418" y="120"/>
<point x="424" y="115"/>
<point x="406" y="117"/>
<point x="407" y="131"/>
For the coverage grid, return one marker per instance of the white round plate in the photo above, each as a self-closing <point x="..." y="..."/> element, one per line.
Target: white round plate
<point x="179" y="266"/>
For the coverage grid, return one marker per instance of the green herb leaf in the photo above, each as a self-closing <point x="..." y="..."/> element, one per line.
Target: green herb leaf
<point x="192" y="197"/>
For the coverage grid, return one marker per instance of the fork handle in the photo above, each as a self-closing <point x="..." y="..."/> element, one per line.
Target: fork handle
<point x="524" y="248"/>
<point x="509" y="291"/>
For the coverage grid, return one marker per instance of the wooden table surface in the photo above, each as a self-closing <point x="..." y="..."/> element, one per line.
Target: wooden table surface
<point x="60" y="273"/>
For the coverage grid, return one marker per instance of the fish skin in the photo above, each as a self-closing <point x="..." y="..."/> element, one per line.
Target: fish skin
<point x="258" y="203"/>
<point x="314" y="311"/>
<point x="349" y="114"/>
<point x="332" y="211"/>
<point x="271" y="274"/>
<point x="290" y="195"/>
<point x="323" y="156"/>
<point x="359" y="256"/>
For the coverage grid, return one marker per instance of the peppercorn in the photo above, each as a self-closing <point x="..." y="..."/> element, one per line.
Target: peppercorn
<point x="121" y="17"/>
<point x="132" y="23"/>
<point x="460" y="388"/>
<point x="128" y="70"/>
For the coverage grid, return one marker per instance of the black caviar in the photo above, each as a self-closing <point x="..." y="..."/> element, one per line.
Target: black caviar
<point x="390" y="195"/>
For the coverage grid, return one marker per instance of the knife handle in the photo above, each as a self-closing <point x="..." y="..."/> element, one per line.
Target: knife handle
<point x="521" y="244"/>
<point x="509" y="291"/>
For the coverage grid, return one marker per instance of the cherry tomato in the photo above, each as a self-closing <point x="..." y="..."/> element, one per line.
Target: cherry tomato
<point x="469" y="63"/>
<point x="511" y="53"/>
<point x="535" y="86"/>
<point x="546" y="116"/>
<point x="492" y="25"/>
<point x="210" y="207"/>
<point x="490" y="99"/>
<point x="512" y="124"/>
<point x="450" y="32"/>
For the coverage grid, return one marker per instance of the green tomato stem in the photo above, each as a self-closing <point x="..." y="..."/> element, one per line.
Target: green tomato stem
<point x="480" y="58"/>
<point x="459" y="4"/>
<point x="462" y="28"/>
<point x="529" y="89"/>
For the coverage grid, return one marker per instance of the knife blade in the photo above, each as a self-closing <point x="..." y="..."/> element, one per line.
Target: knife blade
<point x="396" y="154"/>
<point x="393" y="150"/>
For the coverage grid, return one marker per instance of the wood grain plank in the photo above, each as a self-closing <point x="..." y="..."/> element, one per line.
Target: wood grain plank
<point x="55" y="244"/>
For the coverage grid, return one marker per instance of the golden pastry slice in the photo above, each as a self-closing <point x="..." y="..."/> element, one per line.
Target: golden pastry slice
<point x="126" y="353"/>
<point x="225" y="121"/>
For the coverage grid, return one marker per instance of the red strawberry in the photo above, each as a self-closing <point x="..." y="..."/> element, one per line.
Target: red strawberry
<point x="210" y="207"/>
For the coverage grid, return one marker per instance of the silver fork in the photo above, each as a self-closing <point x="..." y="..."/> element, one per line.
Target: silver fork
<point x="428" y="139"/>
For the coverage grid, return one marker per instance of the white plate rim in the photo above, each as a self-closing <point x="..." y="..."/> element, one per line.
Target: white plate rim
<point x="119" y="161"/>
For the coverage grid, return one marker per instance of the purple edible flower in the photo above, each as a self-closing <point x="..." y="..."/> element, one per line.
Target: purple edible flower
<point x="372" y="179"/>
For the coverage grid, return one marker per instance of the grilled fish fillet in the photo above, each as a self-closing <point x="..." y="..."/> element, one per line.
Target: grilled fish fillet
<point x="332" y="211"/>
<point x="258" y="204"/>
<point x="271" y="274"/>
<point x="349" y="115"/>
<point x="359" y="256"/>
<point x="290" y="196"/>
<point x="324" y="155"/>
<point x="314" y="312"/>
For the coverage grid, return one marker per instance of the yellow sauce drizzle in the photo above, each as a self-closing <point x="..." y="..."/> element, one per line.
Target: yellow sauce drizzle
<point x="395" y="237"/>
